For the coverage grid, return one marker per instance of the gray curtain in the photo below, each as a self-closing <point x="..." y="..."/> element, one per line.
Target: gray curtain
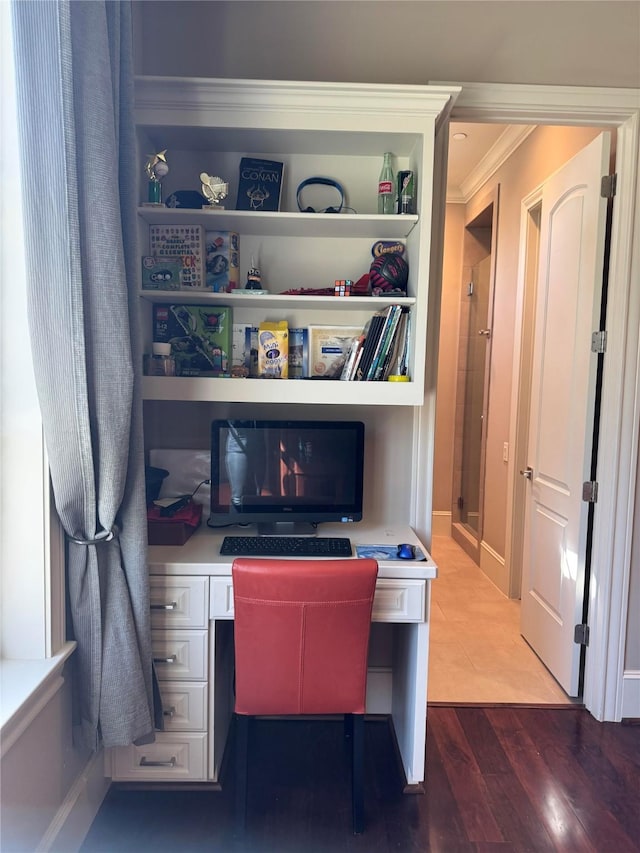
<point x="75" y="104"/>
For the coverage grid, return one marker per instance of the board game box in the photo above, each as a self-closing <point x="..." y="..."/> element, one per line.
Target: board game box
<point x="222" y="260"/>
<point x="200" y="337"/>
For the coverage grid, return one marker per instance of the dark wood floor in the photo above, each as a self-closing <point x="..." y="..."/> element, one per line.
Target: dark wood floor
<point x="498" y="779"/>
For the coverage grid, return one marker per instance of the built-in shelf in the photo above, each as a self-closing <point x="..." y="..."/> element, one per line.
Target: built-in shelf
<point x="243" y="298"/>
<point x="210" y="389"/>
<point x="284" y="224"/>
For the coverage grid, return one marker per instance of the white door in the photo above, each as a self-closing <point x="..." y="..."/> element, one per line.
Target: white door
<point x="563" y="385"/>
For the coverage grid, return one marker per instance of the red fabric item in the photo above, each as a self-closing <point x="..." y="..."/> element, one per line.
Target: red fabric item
<point x="302" y="634"/>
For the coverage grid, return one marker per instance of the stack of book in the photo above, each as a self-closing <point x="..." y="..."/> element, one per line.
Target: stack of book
<point x="381" y="349"/>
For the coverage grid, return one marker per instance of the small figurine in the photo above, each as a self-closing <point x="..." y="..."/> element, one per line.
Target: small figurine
<point x="254" y="281"/>
<point x="215" y="190"/>
<point x="156" y="168"/>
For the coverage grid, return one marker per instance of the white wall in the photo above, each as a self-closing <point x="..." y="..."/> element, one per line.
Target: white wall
<point x="568" y="43"/>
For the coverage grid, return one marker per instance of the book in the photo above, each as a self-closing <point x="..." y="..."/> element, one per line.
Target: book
<point x="298" y="353"/>
<point x="185" y="242"/>
<point x="392" y="363"/>
<point x="259" y="184"/>
<point x="328" y="349"/>
<point x="200" y="337"/>
<point x="390" y="315"/>
<point x="352" y="358"/>
<point x="387" y="342"/>
<point x="241" y="350"/>
<point x="371" y="340"/>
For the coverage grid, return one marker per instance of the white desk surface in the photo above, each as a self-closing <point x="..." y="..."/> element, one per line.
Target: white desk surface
<point x="200" y="555"/>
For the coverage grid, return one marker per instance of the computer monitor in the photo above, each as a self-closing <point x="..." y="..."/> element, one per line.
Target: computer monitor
<point x="286" y="476"/>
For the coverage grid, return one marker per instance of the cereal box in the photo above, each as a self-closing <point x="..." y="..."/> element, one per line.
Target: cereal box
<point x="273" y="350"/>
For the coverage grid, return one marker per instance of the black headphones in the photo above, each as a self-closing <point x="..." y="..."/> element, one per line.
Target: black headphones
<point x="326" y="182"/>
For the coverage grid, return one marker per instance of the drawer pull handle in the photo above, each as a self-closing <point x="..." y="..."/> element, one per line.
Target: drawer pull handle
<point x="173" y="605"/>
<point x="170" y="712"/>
<point x="144" y="762"/>
<point x="171" y="659"/>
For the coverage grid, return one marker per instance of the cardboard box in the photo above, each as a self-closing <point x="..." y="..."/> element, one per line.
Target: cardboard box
<point x="161" y="273"/>
<point x="173" y="530"/>
<point x="273" y="349"/>
<point x="329" y="347"/>
<point x="200" y="337"/>
<point x="222" y="260"/>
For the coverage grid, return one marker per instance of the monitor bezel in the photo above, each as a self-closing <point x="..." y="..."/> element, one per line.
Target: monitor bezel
<point x="221" y="515"/>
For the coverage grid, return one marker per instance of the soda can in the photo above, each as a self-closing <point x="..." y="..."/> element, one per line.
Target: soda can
<point x="406" y="192"/>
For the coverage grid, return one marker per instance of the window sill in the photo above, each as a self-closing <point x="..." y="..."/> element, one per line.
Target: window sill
<point x="25" y="688"/>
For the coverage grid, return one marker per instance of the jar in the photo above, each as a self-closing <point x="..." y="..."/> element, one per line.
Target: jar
<point x="160" y="362"/>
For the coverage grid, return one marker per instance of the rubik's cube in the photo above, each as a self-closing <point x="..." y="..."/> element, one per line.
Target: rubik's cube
<point x="343" y="287"/>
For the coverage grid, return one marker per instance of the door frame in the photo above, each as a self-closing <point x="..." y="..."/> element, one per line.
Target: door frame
<point x="616" y="109"/>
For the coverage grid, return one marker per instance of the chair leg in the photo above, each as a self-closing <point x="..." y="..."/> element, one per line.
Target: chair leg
<point x="357" y="773"/>
<point x="242" y="757"/>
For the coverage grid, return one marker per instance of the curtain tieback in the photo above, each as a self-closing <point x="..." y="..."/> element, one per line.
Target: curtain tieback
<point x="105" y="536"/>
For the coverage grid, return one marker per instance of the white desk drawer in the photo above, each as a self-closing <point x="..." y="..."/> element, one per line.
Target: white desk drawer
<point x="179" y="602"/>
<point x="180" y="655"/>
<point x="399" y="600"/>
<point x="221" y="598"/>
<point x="184" y="706"/>
<point x="172" y="757"/>
<point x="396" y="600"/>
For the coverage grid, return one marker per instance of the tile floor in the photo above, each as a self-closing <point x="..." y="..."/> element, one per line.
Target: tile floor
<point x="476" y="652"/>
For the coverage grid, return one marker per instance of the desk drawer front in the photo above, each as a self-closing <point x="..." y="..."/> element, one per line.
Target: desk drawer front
<point x="221" y="598"/>
<point x="184" y="706"/>
<point x="180" y="655"/>
<point x="399" y="600"/>
<point x="396" y="600"/>
<point x="171" y="757"/>
<point x="178" y="602"/>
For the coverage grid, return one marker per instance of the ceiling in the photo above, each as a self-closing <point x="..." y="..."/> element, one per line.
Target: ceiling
<point x="466" y="154"/>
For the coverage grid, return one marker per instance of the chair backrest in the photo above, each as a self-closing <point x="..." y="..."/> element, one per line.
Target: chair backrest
<point x="302" y="635"/>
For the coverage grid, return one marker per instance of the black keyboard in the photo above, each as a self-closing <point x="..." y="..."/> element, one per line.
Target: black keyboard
<point x="286" y="546"/>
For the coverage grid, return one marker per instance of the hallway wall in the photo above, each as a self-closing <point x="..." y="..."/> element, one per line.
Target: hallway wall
<point x="542" y="153"/>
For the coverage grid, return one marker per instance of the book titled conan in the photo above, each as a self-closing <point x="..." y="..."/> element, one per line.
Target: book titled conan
<point x="259" y="185"/>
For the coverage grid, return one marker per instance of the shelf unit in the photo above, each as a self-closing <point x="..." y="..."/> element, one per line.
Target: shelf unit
<point x="316" y="129"/>
<point x="334" y="130"/>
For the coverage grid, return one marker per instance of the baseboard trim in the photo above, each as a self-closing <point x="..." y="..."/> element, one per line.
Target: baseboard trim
<point x="494" y="567"/>
<point x="631" y="694"/>
<point x="78" y="810"/>
<point x="441" y="523"/>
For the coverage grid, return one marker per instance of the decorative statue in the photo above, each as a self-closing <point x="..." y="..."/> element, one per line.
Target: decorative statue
<point x="157" y="168"/>
<point x="214" y="189"/>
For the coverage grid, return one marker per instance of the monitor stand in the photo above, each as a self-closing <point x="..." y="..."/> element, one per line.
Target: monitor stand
<point x="286" y="528"/>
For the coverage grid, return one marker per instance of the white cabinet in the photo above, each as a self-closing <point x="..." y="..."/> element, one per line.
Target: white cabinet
<point x="339" y="131"/>
<point x="180" y="644"/>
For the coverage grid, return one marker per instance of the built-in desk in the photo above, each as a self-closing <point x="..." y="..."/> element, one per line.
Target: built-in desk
<point x="192" y="622"/>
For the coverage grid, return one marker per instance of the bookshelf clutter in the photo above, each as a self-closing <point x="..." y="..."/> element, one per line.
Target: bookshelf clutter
<point x="203" y="340"/>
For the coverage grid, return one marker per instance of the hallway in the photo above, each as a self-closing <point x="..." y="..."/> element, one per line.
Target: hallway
<point x="477" y="654"/>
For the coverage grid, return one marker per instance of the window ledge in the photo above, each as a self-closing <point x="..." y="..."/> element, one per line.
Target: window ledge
<point x="25" y="688"/>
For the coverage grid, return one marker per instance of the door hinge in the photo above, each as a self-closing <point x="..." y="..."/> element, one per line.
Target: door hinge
<point x="460" y="502"/>
<point x="599" y="342"/>
<point x="608" y="186"/>
<point x="590" y="491"/>
<point x="581" y="635"/>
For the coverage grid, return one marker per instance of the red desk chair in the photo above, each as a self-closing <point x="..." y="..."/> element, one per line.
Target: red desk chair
<point x="301" y="640"/>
